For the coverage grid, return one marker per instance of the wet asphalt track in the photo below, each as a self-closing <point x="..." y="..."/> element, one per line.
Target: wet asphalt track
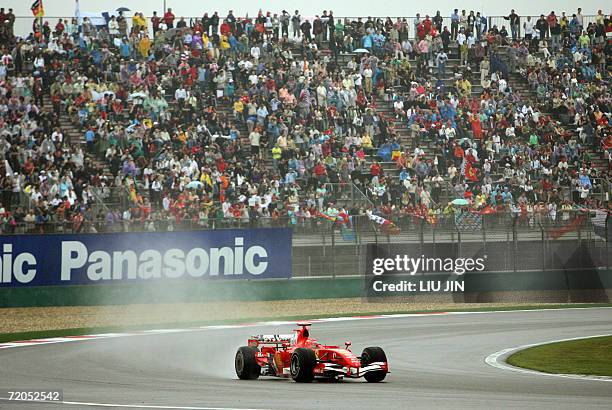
<point x="436" y="362"/>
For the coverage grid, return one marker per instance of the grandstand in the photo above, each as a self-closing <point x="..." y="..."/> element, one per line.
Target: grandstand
<point x="165" y="123"/>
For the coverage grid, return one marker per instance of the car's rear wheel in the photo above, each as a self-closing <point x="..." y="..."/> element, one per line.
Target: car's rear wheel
<point x="245" y="363"/>
<point x="303" y="362"/>
<point x="372" y="355"/>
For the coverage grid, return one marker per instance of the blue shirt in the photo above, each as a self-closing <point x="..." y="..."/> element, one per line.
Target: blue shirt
<point x="125" y="50"/>
<point x="367" y="41"/>
<point x="585" y="181"/>
<point x="201" y="74"/>
<point x="89" y="136"/>
<point x="290" y="178"/>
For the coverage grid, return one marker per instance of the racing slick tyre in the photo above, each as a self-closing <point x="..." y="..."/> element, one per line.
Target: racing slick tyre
<point x="303" y="362"/>
<point x="372" y="355"/>
<point x="246" y="364"/>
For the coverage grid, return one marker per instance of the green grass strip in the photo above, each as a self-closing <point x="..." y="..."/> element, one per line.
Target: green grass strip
<point x="591" y="356"/>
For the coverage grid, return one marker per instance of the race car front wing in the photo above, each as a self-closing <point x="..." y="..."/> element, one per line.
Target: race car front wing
<point x="335" y="370"/>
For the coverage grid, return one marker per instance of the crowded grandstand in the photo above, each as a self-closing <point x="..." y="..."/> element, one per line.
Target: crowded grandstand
<point x="166" y="122"/>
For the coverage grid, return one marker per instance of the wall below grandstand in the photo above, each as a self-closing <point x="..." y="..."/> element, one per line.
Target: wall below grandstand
<point x="275" y="264"/>
<point x="555" y="286"/>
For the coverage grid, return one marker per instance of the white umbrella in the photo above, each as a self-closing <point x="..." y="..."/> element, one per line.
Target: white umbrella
<point x="460" y="202"/>
<point x="194" y="185"/>
<point x="138" y="94"/>
<point x="361" y="50"/>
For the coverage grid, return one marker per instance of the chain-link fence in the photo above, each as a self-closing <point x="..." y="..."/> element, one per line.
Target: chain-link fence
<point x="335" y="248"/>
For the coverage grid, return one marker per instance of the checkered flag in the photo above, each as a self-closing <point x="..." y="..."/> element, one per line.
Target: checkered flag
<point x="468" y="221"/>
<point x="600" y="223"/>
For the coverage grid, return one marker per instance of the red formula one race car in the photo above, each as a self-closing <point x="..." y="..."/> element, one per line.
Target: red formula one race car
<point x="303" y="358"/>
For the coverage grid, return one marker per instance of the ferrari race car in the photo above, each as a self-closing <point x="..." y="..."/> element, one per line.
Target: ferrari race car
<point x="303" y="358"/>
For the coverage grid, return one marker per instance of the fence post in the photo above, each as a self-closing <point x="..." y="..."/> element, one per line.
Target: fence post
<point x="309" y="266"/>
<point x="514" y="245"/>
<point x="507" y="252"/>
<point x="388" y="243"/>
<point x="544" y="256"/>
<point x="324" y="245"/>
<point x="607" y="226"/>
<point x="422" y="234"/>
<point x="484" y="235"/>
<point x="333" y="246"/>
<point x="580" y="257"/>
<point x="452" y="232"/>
<point x="433" y="239"/>
<point x="458" y="243"/>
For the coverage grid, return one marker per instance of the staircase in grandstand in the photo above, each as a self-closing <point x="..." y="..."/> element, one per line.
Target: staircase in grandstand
<point x="519" y="83"/>
<point x="383" y="106"/>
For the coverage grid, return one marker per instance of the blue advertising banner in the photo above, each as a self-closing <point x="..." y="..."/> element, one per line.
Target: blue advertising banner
<point x="41" y="260"/>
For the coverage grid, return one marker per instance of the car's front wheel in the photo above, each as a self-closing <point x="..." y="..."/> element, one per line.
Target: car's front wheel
<point x="373" y="355"/>
<point x="245" y="363"/>
<point x="303" y="362"/>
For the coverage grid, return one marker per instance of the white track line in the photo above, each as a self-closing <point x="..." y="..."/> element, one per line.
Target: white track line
<point x="498" y="359"/>
<point x="129" y="406"/>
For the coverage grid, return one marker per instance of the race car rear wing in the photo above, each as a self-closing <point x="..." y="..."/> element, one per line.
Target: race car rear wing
<point x="257" y="340"/>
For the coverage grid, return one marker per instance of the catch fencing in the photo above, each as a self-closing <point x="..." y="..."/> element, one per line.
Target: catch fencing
<point x="321" y="247"/>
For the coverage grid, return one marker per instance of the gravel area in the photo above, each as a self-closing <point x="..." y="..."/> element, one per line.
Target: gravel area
<point x="14" y="320"/>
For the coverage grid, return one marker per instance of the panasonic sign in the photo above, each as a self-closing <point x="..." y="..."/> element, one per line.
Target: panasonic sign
<point x="82" y="259"/>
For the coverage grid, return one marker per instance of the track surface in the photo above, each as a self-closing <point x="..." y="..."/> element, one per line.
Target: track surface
<point x="436" y="361"/>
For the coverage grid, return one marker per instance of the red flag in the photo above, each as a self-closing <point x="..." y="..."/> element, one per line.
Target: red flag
<point x="390" y="228"/>
<point x="325" y="216"/>
<point x="386" y="226"/>
<point x="37" y="8"/>
<point x="470" y="172"/>
<point x="344" y="219"/>
<point x="487" y="210"/>
<point x="571" y="227"/>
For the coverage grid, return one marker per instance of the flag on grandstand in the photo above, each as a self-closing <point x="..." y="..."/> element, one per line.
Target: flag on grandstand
<point x="347" y="228"/>
<point x="386" y="226"/>
<point x="423" y="213"/>
<point x="601" y="225"/>
<point x="468" y="221"/>
<point x="37" y="8"/>
<point x="487" y="210"/>
<point x="344" y="221"/>
<point x="326" y="217"/>
<point x="573" y="226"/>
<point x="470" y="171"/>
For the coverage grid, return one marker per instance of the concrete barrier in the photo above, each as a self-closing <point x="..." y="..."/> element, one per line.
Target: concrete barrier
<point x="550" y="286"/>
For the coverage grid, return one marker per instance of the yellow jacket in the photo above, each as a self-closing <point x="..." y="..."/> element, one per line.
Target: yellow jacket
<point x="144" y="46"/>
<point x="139" y="21"/>
<point x="224" y="43"/>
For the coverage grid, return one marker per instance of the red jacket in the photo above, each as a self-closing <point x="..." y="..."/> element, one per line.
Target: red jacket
<point x="319" y="170"/>
<point x="168" y="17"/>
<point x="225" y="29"/>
